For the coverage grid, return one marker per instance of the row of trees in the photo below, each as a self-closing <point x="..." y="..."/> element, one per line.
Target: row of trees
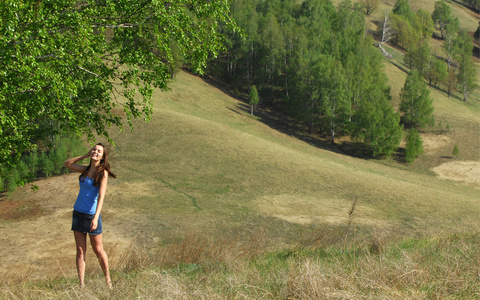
<point x="473" y="4"/>
<point x="411" y="31"/>
<point x="41" y="163"/>
<point x="371" y="5"/>
<point x="316" y="62"/>
<point x="70" y="66"/>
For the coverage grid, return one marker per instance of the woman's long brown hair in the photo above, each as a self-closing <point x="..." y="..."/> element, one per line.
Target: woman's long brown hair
<point x="104" y="165"/>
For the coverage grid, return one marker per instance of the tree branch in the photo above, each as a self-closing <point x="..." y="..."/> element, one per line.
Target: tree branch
<point x="89" y="72"/>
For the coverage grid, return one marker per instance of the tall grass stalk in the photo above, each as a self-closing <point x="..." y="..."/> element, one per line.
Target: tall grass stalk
<point x="196" y="268"/>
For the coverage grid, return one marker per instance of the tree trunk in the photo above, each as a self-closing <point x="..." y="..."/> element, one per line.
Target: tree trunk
<point x="332" y="133"/>
<point x="384" y="52"/>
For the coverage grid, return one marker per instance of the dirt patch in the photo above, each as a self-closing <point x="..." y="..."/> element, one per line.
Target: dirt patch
<point x="42" y="246"/>
<point x="304" y="210"/>
<point x="434" y="142"/>
<point x="467" y="172"/>
<point x="18" y="210"/>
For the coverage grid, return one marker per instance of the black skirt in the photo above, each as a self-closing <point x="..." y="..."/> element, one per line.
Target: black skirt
<point x="81" y="222"/>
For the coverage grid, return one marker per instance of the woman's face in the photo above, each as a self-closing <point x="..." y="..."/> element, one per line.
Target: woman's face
<point x="97" y="153"/>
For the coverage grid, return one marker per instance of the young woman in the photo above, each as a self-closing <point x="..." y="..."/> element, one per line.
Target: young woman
<point x="86" y="211"/>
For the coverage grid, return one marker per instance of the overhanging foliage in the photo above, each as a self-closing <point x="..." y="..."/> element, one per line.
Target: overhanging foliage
<point x="81" y="66"/>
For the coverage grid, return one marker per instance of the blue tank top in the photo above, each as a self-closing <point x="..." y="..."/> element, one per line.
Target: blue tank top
<point x="87" y="197"/>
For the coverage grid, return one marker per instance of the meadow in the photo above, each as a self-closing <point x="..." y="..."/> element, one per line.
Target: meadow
<point x="213" y="203"/>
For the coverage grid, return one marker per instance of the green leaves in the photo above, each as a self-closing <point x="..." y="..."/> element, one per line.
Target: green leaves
<point x="467" y="73"/>
<point x="253" y="98"/>
<point x="442" y="16"/>
<point x="314" y="60"/>
<point x="68" y="65"/>
<point x="414" y="145"/>
<point x="416" y="104"/>
<point x="375" y="124"/>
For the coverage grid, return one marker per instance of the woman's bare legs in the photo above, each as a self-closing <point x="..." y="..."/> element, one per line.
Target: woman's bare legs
<point x="97" y="245"/>
<point x="81" y="243"/>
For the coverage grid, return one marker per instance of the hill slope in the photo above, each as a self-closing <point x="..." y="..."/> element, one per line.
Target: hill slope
<point x="204" y="166"/>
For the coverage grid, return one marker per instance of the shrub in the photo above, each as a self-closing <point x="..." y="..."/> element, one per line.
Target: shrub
<point x="74" y="146"/>
<point x="58" y="156"/>
<point x="47" y="162"/>
<point x="414" y="146"/>
<point x="253" y="98"/>
<point x="455" y="151"/>
<point x="32" y="162"/>
<point x="23" y="171"/>
<point x="12" y="181"/>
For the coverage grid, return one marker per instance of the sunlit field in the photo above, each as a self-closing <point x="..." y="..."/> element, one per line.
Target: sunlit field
<point x="213" y="203"/>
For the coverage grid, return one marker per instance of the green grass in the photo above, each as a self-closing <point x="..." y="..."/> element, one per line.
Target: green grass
<point x="203" y="164"/>
<point x="216" y="203"/>
<point x="423" y="268"/>
<point x="222" y="205"/>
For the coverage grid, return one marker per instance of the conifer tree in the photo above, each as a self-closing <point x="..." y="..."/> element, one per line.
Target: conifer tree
<point x="442" y="16"/>
<point x="375" y="124"/>
<point x="253" y="98"/>
<point x="451" y="81"/>
<point x="335" y="103"/>
<point x="402" y="8"/>
<point x="414" y="145"/>
<point x="437" y="72"/>
<point x="467" y="77"/>
<point x="423" y="23"/>
<point x="416" y="104"/>
<point x="455" y="151"/>
<point x="405" y="33"/>
<point x="423" y="57"/>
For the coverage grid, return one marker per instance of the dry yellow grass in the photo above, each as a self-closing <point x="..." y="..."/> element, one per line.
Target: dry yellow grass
<point x="209" y="189"/>
<point x="203" y="166"/>
<point x="195" y="268"/>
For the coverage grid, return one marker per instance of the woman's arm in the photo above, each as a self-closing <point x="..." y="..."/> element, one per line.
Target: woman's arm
<point x="71" y="163"/>
<point x="101" y="195"/>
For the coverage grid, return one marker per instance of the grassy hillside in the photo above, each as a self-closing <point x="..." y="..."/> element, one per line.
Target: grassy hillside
<point x="234" y="187"/>
<point x="203" y="163"/>
<point x="211" y="202"/>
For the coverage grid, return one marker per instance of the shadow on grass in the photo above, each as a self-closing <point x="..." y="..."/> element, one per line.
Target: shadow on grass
<point x="400" y="66"/>
<point x="291" y="127"/>
<point x="285" y="124"/>
<point x="274" y="119"/>
<point x="399" y="156"/>
<point x="476" y="52"/>
<point x="466" y="6"/>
